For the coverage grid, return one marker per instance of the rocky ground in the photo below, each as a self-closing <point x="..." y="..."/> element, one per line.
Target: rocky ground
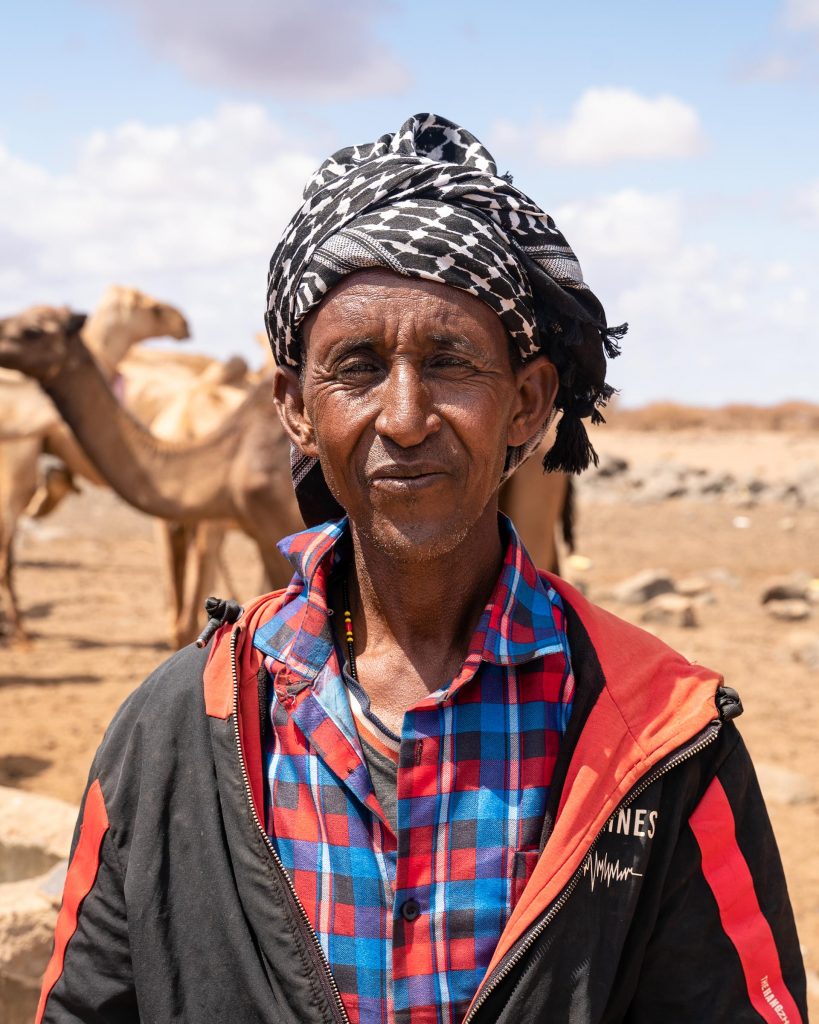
<point x="722" y="525"/>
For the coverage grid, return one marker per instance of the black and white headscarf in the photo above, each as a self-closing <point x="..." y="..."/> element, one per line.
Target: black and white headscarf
<point x="427" y="201"/>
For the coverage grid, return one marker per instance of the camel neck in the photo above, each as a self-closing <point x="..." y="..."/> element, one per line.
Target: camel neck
<point x="170" y="481"/>
<point x="107" y="342"/>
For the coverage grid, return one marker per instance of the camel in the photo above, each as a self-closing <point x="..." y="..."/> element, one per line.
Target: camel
<point x="153" y="378"/>
<point x="29" y="422"/>
<point x="123" y="317"/>
<point x="197" y="407"/>
<point x="181" y="396"/>
<point x="540" y="505"/>
<point x="239" y="473"/>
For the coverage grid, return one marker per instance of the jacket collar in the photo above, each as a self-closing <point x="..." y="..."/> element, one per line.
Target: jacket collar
<point x="522" y="619"/>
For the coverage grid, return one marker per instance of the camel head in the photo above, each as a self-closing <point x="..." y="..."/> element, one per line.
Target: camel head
<point x="35" y="342"/>
<point x="124" y="317"/>
<point x="141" y="315"/>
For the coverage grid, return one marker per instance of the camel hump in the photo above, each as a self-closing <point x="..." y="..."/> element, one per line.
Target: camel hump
<point x="232" y="371"/>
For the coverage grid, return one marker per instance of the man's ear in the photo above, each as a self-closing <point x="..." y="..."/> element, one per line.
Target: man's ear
<point x="289" y="402"/>
<point x="537" y="383"/>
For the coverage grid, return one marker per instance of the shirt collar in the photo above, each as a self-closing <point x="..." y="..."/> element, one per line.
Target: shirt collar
<point x="522" y="620"/>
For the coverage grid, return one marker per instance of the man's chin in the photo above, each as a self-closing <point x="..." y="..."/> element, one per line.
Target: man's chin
<point x="415" y="538"/>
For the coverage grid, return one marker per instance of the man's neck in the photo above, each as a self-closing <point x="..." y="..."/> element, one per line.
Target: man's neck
<point x="414" y="620"/>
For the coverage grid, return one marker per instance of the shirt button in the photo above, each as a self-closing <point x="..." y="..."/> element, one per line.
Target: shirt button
<point x="410" y="909"/>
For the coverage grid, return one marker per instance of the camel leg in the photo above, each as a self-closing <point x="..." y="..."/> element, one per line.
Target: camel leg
<point x="8" y="596"/>
<point x="55" y="482"/>
<point x="278" y="572"/>
<point x="208" y="538"/>
<point x="534" y="502"/>
<point x="18" y="482"/>
<point x="231" y="590"/>
<point x="174" y="539"/>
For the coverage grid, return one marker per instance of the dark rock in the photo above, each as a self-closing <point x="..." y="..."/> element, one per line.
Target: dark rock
<point x="643" y="587"/>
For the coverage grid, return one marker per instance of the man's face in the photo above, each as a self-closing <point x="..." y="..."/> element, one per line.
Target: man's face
<point x="410" y="401"/>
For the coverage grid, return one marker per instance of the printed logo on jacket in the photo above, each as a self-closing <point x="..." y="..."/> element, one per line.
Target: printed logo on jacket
<point x="619" y="859"/>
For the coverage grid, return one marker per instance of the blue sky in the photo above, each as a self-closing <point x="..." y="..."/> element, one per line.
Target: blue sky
<point x="164" y="143"/>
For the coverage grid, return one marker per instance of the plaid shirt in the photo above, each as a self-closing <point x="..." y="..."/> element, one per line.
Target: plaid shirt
<point x="409" y="922"/>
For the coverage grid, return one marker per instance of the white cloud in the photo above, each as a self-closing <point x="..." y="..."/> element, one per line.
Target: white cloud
<point x="624" y="225"/>
<point x="702" y="322"/>
<point x="774" y="67"/>
<point x="307" y="49"/>
<point x="801" y="14"/>
<point x="807" y="203"/>
<point x="609" y="124"/>
<point x="190" y="212"/>
<point x="780" y="271"/>
<point x="793" y="59"/>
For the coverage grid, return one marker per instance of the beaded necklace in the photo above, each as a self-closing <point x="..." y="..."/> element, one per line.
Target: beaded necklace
<point x="348" y="629"/>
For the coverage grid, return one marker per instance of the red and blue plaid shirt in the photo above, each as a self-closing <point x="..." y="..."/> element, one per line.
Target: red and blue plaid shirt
<point x="409" y="922"/>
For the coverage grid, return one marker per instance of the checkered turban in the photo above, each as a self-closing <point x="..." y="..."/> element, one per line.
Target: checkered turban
<point x="428" y="202"/>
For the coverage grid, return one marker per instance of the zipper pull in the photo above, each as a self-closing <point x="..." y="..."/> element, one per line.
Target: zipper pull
<point x="219" y="611"/>
<point x="728" y="703"/>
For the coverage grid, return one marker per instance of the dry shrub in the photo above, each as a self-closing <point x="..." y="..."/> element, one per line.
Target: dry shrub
<point x="796" y="416"/>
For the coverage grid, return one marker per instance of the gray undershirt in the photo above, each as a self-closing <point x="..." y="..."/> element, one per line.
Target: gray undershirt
<point x="383" y="771"/>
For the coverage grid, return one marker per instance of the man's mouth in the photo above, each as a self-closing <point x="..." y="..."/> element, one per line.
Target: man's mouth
<point x="407" y="477"/>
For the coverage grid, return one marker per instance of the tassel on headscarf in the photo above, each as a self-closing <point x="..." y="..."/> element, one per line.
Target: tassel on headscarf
<point x="572" y="451"/>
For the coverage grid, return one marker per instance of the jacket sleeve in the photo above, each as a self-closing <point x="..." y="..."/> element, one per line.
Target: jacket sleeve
<point x="724" y="946"/>
<point x="89" y="976"/>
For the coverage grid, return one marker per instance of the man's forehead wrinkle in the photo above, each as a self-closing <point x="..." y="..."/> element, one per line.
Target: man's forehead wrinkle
<point x="402" y="316"/>
<point x="345" y="343"/>
<point x="388" y="314"/>
<point x="381" y="287"/>
<point x="455" y="341"/>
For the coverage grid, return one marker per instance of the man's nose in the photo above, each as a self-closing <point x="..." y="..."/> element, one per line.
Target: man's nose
<point x="407" y="414"/>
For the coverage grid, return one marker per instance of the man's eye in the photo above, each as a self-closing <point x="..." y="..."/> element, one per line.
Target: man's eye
<point x="357" y="367"/>
<point x="450" y="362"/>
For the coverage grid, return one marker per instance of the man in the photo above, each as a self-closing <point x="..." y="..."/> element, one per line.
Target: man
<point x="425" y="783"/>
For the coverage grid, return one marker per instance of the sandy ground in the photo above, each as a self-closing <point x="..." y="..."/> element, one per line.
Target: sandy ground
<point x="91" y="587"/>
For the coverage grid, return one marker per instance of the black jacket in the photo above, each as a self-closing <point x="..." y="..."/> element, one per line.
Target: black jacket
<point x="659" y="895"/>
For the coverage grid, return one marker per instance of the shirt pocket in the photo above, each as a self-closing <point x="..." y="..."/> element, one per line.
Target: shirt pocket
<point x="521" y="865"/>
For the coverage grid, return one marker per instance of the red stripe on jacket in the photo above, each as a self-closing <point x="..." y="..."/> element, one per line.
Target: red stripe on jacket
<point x="79" y="881"/>
<point x="729" y="879"/>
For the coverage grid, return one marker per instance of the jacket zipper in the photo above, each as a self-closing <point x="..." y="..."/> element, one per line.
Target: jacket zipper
<point x="708" y="735"/>
<point x="320" y="959"/>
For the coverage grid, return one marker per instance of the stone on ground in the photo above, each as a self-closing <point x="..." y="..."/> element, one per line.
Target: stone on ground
<point x="795" y="587"/>
<point x="643" y="587"/>
<point x="788" y="611"/>
<point x="804" y="648"/>
<point x="782" y="786"/>
<point x="693" y="586"/>
<point x="35" y="836"/>
<point x="672" y="610"/>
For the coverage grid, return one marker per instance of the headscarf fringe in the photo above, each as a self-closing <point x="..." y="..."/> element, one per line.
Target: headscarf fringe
<point x="572" y="451"/>
<point x="612" y="337"/>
